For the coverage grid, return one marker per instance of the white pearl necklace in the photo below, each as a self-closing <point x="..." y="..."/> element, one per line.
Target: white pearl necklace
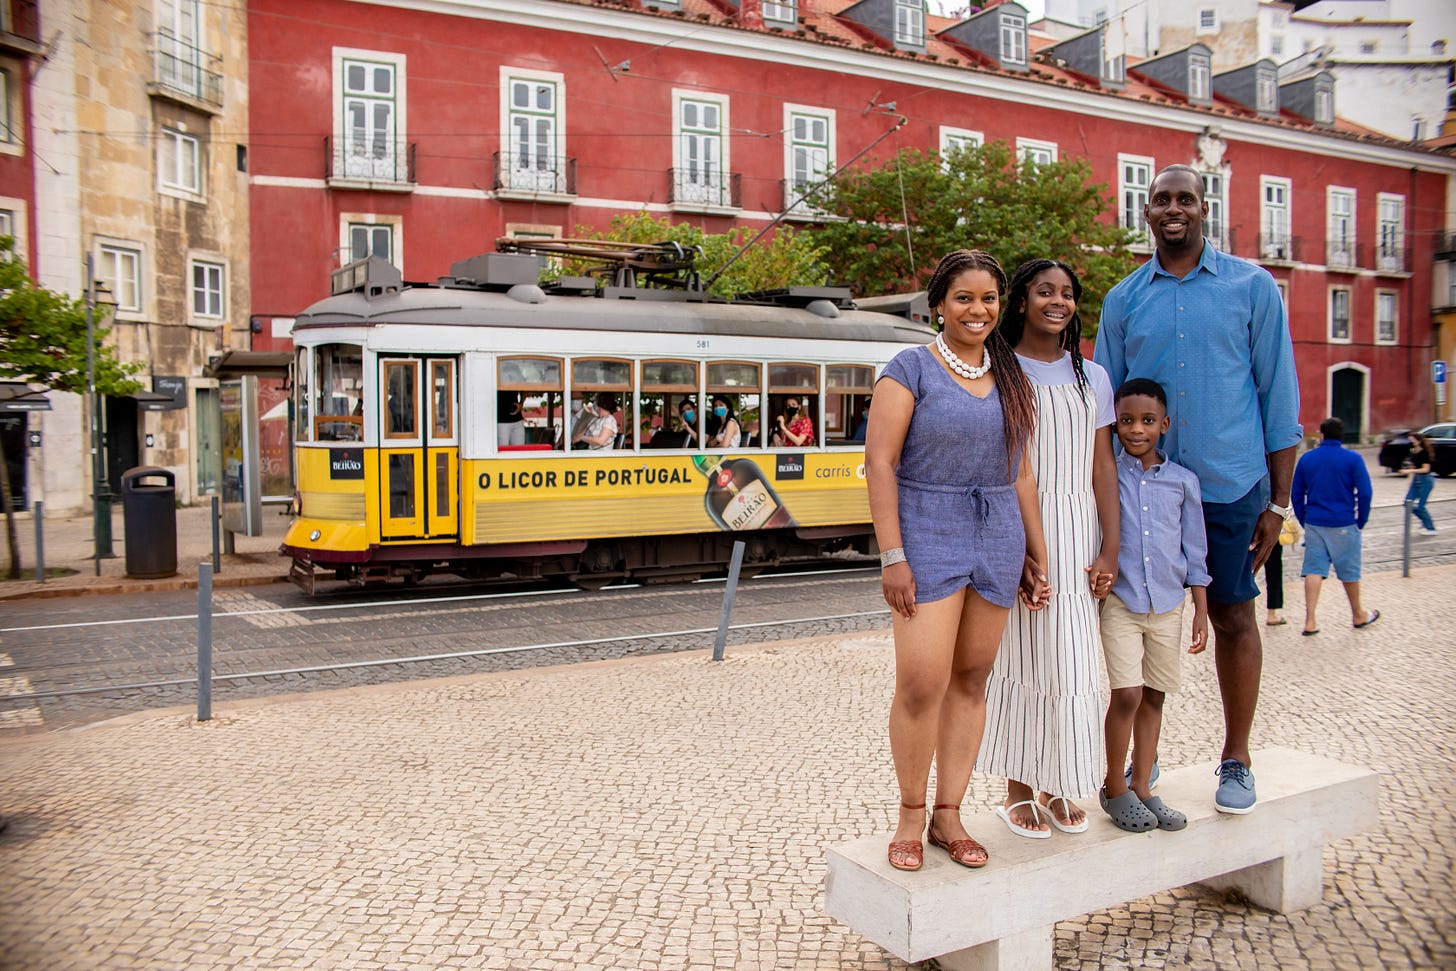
<point x="961" y="367"/>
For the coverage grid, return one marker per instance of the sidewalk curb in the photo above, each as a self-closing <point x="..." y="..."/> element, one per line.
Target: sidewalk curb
<point x="137" y="586"/>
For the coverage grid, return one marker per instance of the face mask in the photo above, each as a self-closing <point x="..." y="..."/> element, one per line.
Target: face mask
<point x="720" y="411"/>
<point x="690" y="416"/>
<point x="791" y="411"/>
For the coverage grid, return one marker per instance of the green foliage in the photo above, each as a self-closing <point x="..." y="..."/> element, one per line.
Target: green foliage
<point x="782" y="259"/>
<point x="43" y="336"/>
<point x="981" y="197"/>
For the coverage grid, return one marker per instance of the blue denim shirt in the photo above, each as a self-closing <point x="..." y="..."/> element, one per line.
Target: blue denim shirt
<point x="1164" y="548"/>
<point x="1218" y="342"/>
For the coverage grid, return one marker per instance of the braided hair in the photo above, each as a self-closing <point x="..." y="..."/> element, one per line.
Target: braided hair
<point x="1013" y="322"/>
<point x="1018" y="401"/>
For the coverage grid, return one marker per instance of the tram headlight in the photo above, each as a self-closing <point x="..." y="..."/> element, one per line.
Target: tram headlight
<point x="313" y="537"/>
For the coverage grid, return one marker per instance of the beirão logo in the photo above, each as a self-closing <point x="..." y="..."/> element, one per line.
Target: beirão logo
<point x="790" y="467"/>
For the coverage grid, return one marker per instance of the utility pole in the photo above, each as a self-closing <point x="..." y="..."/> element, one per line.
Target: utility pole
<point x="100" y="485"/>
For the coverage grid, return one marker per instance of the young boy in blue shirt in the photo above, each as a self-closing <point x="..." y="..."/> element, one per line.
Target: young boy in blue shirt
<point x="1163" y="550"/>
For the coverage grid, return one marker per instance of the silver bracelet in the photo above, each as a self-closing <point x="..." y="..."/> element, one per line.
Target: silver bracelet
<point x="891" y="557"/>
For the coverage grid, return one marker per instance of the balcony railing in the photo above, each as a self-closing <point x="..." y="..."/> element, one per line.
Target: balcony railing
<point x="688" y="188"/>
<point x="534" y="176"/>
<point x="187" y="70"/>
<point x="370" y="158"/>
<point x="1390" y="258"/>
<point x="1279" y="247"/>
<point x="1340" y="254"/>
<point x="805" y="209"/>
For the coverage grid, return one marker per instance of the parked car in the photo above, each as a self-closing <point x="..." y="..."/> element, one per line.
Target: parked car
<point x="1393" y="450"/>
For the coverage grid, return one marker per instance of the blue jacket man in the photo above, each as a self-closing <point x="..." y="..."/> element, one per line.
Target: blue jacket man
<point x="1331" y="497"/>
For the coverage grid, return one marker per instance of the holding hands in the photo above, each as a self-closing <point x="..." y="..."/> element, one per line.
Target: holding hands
<point x="1101" y="574"/>
<point x="1036" y="589"/>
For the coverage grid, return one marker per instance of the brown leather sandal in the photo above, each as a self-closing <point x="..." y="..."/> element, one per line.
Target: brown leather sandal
<point x="911" y="850"/>
<point x="963" y="851"/>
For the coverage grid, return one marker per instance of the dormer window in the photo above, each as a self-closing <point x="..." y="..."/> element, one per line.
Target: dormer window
<point x="781" y="12"/>
<point x="1013" y="38"/>
<point x="909" y="23"/>
<point x="1324" y="105"/>
<point x="1199" y="73"/>
<point x="1266" y="93"/>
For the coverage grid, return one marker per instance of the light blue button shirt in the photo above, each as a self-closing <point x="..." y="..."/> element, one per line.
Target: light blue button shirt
<point x="1218" y="342"/>
<point x="1164" y="547"/>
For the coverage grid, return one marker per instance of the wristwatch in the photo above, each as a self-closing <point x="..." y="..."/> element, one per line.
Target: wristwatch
<point x="1281" y="511"/>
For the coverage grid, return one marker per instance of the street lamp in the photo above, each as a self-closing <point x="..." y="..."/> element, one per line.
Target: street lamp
<point x="97" y="297"/>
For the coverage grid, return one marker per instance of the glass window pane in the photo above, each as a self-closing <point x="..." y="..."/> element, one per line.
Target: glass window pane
<point x="402" y="486"/>
<point x="354" y="77"/>
<point x="400" y="406"/>
<point x="594" y="375"/>
<point x="670" y="375"/>
<point x="442" y="399"/>
<point x="731" y="375"/>
<point x="383" y="80"/>
<point x="530" y="373"/>
<point x="788" y="377"/>
<point x="850" y="376"/>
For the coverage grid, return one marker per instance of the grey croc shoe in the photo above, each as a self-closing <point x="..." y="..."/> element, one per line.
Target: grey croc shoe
<point x="1169" y="819"/>
<point x="1127" y="811"/>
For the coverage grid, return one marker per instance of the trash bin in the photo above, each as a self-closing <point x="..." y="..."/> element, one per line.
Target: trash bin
<point x="150" y="511"/>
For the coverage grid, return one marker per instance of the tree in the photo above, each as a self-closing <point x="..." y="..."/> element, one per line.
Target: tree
<point x="43" y="341"/>
<point x="978" y="197"/>
<point x="785" y="259"/>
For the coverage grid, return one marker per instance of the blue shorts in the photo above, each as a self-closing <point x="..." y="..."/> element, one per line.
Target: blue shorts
<point x="1230" y="529"/>
<point x="1337" y="545"/>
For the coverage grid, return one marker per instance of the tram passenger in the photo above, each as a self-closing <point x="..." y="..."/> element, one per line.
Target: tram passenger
<point x="510" y="423"/>
<point x="795" y="428"/>
<point x="862" y="422"/>
<point x="601" y="430"/>
<point x="723" y="428"/>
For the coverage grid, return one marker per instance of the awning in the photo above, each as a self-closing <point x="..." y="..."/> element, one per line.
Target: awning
<point x="19" y="397"/>
<point x="152" y="401"/>
<point x="268" y="364"/>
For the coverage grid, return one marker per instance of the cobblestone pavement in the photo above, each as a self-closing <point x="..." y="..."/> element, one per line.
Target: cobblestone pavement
<point x="661" y="813"/>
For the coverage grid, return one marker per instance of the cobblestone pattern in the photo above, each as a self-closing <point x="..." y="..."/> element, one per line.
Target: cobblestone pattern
<point x="661" y="813"/>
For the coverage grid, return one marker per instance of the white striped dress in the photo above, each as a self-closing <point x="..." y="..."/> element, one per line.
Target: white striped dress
<point x="1043" y="700"/>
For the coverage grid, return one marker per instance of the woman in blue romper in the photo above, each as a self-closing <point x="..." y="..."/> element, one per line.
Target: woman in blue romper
<point x="956" y="515"/>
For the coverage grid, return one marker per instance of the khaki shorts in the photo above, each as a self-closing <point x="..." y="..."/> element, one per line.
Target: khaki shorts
<point x="1142" y="649"/>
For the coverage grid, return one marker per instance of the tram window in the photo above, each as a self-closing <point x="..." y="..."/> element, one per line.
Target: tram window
<point x="538" y="381"/>
<point x="667" y="386"/>
<point x="442" y="399"/>
<point x="338" y="393"/>
<point x="302" y="380"/>
<point x="734" y="385"/>
<point x="401" y="402"/>
<point x="598" y="380"/>
<point x="793" y="386"/>
<point x="846" y="402"/>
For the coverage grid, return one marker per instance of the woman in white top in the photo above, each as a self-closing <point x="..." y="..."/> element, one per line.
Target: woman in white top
<point x="601" y="431"/>
<point x="723" y="428"/>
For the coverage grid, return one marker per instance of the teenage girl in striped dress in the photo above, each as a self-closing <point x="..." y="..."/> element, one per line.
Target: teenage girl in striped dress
<point x="1043" y="700"/>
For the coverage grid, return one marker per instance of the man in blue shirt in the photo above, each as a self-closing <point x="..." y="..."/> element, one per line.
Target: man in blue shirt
<point x="1331" y="498"/>
<point x="1211" y="329"/>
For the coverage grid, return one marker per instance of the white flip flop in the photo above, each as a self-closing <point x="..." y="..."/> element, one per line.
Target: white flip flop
<point x="1064" y="827"/>
<point x="1036" y="808"/>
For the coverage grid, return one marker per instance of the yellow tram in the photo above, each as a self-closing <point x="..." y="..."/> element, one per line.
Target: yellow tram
<point x="438" y="428"/>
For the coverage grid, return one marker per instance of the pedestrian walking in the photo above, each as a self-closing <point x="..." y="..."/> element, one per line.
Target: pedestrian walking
<point x="1418" y="467"/>
<point x="1331" y="496"/>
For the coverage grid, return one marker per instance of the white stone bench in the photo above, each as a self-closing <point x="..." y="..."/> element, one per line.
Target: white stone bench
<point x="1002" y="916"/>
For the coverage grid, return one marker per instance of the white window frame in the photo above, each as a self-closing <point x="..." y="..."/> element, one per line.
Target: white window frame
<point x="181" y="38"/>
<point x="1132" y="195"/>
<point x="1013" y="38"/>
<point x="207" y="264"/>
<point x="1208" y="20"/>
<point x="780" y="11"/>
<point x="19" y="228"/>
<point x="126" y="286"/>
<point x="909" y="23"/>
<point x="955" y="138"/>
<point x="370" y="165"/>
<point x="349" y="220"/>
<point x="794" y="146"/>
<point x="1200" y="77"/>
<point x="1339" y="226"/>
<point x="1276" y="244"/>
<point x="1390" y="227"/>
<point x="1215" y="224"/>
<point x="1040" y="152"/>
<point x="1266" y="92"/>
<point x="1390" y="299"/>
<point x="711" y="185"/>
<point x="525" y="173"/>
<point x="9" y="136"/>
<point x="1324" y="104"/>
<point x="1330" y="302"/>
<point x="174" y="175"/>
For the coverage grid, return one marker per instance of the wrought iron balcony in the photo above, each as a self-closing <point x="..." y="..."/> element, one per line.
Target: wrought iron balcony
<point x="1390" y="257"/>
<point x="533" y="176"/>
<point x="184" y="69"/>
<point x="806" y="210"/>
<point x="694" y="188"/>
<point x="1340" y="253"/>
<point x="1279" y="247"/>
<point x="379" y="161"/>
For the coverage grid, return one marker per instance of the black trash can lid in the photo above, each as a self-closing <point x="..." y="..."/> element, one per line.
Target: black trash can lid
<point x="129" y="477"/>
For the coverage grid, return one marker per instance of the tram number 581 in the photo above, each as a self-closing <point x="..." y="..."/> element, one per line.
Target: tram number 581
<point x="703" y="345"/>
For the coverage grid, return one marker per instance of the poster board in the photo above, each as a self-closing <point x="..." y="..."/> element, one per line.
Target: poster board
<point x="242" y="494"/>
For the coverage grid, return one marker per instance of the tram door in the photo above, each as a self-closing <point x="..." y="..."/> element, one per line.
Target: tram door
<point x="419" y="448"/>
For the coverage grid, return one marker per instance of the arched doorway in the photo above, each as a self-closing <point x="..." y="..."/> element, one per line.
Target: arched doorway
<point x="1348" y="398"/>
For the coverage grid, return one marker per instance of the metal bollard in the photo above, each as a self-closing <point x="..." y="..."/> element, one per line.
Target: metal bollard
<point x="216" y="520"/>
<point x="38" y="508"/>
<point x="728" y="595"/>
<point x="1405" y="543"/>
<point x="204" y="642"/>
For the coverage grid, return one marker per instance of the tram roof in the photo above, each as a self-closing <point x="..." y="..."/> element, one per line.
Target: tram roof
<point x="651" y="311"/>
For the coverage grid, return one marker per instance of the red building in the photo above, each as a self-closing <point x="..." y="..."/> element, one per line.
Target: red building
<point x="422" y="132"/>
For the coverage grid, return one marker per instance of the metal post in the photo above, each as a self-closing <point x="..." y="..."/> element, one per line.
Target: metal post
<point x="100" y="492"/>
<point x="1405" y="543"/>
<point x="38" y="510"/>
<point x="204" y="642"/>
<point x="216" y="525"/>
<point x="728" y="596"/>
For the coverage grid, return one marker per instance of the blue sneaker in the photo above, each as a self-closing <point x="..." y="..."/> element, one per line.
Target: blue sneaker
<point x="1235" y="788"/>
<point x="1152" y="777"/>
